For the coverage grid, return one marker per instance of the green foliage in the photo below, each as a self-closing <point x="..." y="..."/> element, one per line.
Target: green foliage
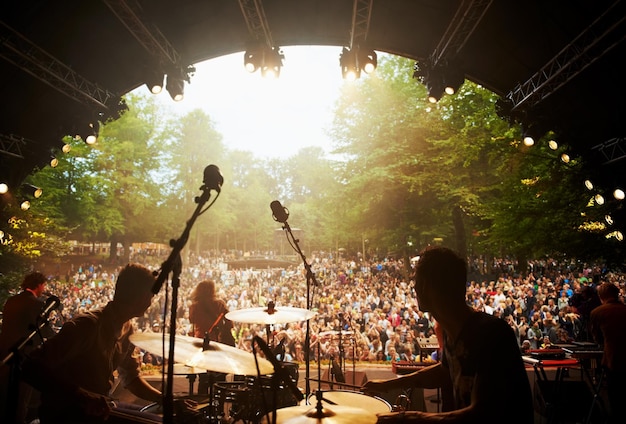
<point x="409" y="174"/>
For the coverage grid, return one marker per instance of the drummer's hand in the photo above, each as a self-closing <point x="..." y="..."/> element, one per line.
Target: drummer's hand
<point x="378" y="386"/>
<point x="398" y="417"/>
<point x="93" y="404"/>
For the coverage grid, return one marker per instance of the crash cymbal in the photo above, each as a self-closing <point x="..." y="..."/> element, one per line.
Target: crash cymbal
<point x="268" y="316"/>
<point x="337" y="414"/>
<point x="218" y="357"/>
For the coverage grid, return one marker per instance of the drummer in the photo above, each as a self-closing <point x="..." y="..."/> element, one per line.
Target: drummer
<point x="74" y="369"/>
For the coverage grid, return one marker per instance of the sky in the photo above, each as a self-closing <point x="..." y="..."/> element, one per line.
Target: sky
<point x="270" y="118"/>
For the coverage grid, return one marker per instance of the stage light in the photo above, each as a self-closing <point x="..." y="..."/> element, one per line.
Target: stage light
<point x="435" y="90"/>
<point x="349" y="68"/>
<point x="453" y="80"/>
<point x="32" y="190"/>
<point x="252" y="60"/>
<point x="272" y="63"/>
<point x="154" y="82"/>
<point x="618" y="193"/>
<point x="4" y="188"/>
<point x="368" y="61"/>
<point x="176" y="87"/>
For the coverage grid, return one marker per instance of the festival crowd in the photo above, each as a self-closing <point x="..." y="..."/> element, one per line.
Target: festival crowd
<point x="365" y="310"/>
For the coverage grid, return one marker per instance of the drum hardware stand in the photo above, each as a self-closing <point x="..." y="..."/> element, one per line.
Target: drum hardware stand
<point x="213" y="180"/>
<point x="281" y="214"/>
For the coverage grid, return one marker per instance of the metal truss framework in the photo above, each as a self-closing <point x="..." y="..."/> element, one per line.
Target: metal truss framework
<point x="361" y="16"/>
<point x="612" y="150"/>
<point x="129" y="13"/>
<point x="21" y="52"/>
<point x="465" y="20"/>
<point x="255" y="18"/>
<point x="589" y="46"/>
<point x="11" y="145"/>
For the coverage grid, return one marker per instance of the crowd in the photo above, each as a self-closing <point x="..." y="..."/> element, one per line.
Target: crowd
<point x="365" y="310"/>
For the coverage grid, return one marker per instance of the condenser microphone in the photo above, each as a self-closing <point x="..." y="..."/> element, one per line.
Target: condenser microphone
<point x="279" y="212"/>
<point x="51" y="304"/>
<point x="213" y="179"/>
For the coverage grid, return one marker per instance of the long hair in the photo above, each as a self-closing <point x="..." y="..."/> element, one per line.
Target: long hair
<point x="204" y="292"/>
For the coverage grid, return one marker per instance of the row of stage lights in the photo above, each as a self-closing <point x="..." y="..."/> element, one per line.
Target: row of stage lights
<point x="597" y="199"/>
<point x="269" y="60"/>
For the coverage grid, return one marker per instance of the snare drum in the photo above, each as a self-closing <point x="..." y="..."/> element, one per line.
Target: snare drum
<point x="369" y="403"/>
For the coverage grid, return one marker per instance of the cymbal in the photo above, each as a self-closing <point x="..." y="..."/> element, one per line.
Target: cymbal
<point x="267" y="316"/>
<point x="305" y="414"/>
<point x="218" y="357"/>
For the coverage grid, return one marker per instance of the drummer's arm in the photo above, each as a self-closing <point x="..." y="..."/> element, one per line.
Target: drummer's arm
<point x="142" y="389"/>
<point x="429" y="377"/>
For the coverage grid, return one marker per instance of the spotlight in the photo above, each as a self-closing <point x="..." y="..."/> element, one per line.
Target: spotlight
<point x="154" y="82"/>
<point x="252" y="60"/>
<point x="368" y="61"/>
<point x="453" y="80"/>
<point x="529" y="141"/>
<point x="599" y="199"/>
<point x="32" y="190"/>
<point x="565" y="158"/>
<point x="4" y="188"/>
<point x="618" y="193"/>
<point x="589" y="184"/>
<point x="25" y="205"/>
<point x="435" y="90"/>
<point x="176" y="87"/>
<point x="349" y="67"/>
<point x="272" y="63"/>
<point x="553" y="144"/>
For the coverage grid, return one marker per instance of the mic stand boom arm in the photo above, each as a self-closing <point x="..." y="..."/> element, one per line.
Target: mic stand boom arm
<point x="13" y="360"/>
<point x="310" y="281"/>
<point x="173" y="264"/>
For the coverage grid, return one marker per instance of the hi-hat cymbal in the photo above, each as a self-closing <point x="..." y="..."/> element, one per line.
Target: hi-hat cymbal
<point x="218" y="357"/>
<point x="337" y="414"/>
<point x="268" y="316"/>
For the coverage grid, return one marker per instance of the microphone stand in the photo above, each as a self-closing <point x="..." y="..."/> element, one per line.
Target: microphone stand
<point x="173" y="264"/>
<point x="13" y="359"/>
<point x="310" y="279"/>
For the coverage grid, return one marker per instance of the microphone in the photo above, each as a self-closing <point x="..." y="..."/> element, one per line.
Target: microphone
<point x="280" y="349"/>
<point x="213" y="179"/>
<point x="279" y="370"/>
<point x="280" y="213"/>
<point x="52" y="303"/>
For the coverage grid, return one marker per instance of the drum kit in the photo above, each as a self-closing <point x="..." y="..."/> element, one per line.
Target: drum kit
<point x="251" y="399"/>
